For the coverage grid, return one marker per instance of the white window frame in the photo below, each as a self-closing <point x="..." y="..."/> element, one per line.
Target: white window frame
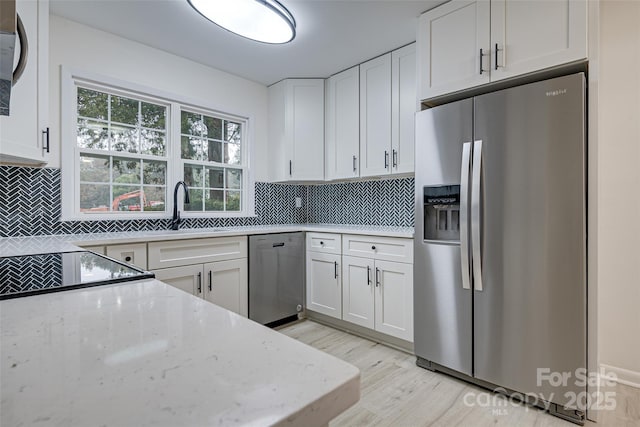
<point x="71" y="79"/>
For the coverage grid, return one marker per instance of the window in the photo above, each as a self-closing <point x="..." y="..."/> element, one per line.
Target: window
<point x="122" y="146"/>
<point x="130" y="147"/>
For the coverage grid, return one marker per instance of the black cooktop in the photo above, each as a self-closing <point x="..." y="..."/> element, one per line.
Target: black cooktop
<point x="26" y="275"/>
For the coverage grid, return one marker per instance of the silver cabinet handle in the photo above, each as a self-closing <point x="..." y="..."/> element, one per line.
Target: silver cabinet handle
<point x="386" y="159"/>
<point x="464" y="219"/>
<point x="481" y="56"/>
<point x="335" y="269"/>
<point x="47" y="145"/>
<point x="475" y="215"/>
<point x="210" y="281"/>
<point x="354" y="163"/>
<point x="395" y="158"/>
<point x="199" y="282"/>
<point x="368" y="276"/>
<point x="377" y="277"/>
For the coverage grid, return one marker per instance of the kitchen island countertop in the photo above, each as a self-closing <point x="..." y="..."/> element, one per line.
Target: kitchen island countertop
<point x="145" y="353"/>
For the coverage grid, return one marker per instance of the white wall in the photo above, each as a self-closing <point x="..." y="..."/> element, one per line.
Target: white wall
<point x="86" y="49"/>
<point x="618" y="189"/>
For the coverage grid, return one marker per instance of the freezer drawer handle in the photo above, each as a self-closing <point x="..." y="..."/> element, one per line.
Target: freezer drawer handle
<point x="368" y="276"/>
<point x="278" y="245"/>
<point x="475" y="215"/>
<point x="335" y="269"/>
<point x="199" y="282"/>
<point x="464" y="221"/>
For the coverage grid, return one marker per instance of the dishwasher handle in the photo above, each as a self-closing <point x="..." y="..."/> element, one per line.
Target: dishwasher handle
<point x="278" y="245"/>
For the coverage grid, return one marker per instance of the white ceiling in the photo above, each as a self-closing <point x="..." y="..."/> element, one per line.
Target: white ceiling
<point x="332" y="35"/>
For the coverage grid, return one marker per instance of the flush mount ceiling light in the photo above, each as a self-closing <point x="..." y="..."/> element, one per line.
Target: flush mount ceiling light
<point x="265" y="21"/>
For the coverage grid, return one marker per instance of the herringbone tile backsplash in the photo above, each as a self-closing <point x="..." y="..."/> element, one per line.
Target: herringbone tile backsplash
<point x="30" y="205"/>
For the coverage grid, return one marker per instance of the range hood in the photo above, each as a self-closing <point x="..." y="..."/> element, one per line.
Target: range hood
<point x="11" y="30"/>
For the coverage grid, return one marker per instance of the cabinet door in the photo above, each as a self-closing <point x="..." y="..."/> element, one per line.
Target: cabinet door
<point x="188" y="278"/>
<point x="21" y="137"/>
<point x="394" y="299"/>
<point x="358" y="291"/>
<point x="304" y="129"/>
<point x="533" y="35"/>
<point x="324" y="293"/>
<point x="404" y="104"/>
<point x="226" y="285"/>
<point x="278" y="154"/>
<point x="449" y="41"/>
<point x="135" y="254"/>
<point x="342" y="125"/>
<point x="375" y="116"/>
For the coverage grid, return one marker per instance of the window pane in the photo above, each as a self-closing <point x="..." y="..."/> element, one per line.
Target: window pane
<point x="154" y="172"/>
<point x="94" y="198"/>
<point x="233" y="200"/>
<point x="232" y="132"/>
<point x="92" y="104"/>
<point x="214" y="127"/>
<point x="152" y="142"/>
<point x="232" y="154"/>
<point x="213" y="200"/>
<point x="126" y="171"/>
<point x="192" y="124"/>
<point x="154" y="198"/>
<point x="92" y="135"/>
<point x="193" y="176"/>
<point x="212" y="151"/>
<point x="94" y="168"/>
<point x="153" y="116"/>
<point x="195" y="196"/>
<point x="124" y="139"/>
<point x="190" y="148"/>
<point x="124" y="110"/>
<point x="126" y="198"/>
<point x="214" y="178"/>
<point x="234" y="178"/>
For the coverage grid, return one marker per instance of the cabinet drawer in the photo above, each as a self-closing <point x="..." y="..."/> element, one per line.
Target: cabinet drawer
<point x="324" y="242"/>
<point x="383" y="248"/>
<point x="135" y="254"/>
<point x="196" y="251"/>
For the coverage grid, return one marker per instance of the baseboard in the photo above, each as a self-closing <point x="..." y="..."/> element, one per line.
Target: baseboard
<point x="620" y="375"/>
<point x="398" y="344"/>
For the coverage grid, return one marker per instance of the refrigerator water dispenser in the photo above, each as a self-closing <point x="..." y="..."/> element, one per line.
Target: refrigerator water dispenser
<point x="442" y="212"/>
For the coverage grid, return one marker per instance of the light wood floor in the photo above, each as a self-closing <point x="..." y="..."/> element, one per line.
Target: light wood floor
<point x="395" y="392"/>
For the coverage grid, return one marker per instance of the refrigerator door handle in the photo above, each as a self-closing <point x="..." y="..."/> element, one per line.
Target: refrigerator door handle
<point x="475" y="215"/>
<point x="464" y="221"/>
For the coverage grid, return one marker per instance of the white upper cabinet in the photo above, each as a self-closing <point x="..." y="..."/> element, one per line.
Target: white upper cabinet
<point x="449" y="41"/>
<point x="375" y="116"/>
<point x="467" y="43"/>
<point x="23" y="134"/>
<point x="342" y="125"/>
<point x="404" y="104"/>
<point x="533" y="35"/>
<point x="296" y="130"/>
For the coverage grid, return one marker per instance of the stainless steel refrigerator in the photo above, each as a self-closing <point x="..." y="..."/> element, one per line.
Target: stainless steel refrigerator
<point x="500" y="240"/>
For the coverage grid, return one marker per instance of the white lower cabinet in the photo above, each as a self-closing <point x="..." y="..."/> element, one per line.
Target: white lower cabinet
<point x="324" y="294"/>
<point x="134" y="254"/>
<point x="394" y="299"/>
<point x="378" y="295"/>
<point x="187" y="278"/>
<point x="226" y="285"/>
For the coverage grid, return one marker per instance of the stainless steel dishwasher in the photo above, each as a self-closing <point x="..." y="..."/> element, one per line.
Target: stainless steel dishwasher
<point x="276" y="277"/>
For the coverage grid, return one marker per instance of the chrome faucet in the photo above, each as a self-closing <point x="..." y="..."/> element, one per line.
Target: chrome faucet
<point x="175" y="221"/>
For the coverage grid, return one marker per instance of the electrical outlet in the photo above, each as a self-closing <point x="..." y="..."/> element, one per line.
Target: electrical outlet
<point x="298" y="202"/>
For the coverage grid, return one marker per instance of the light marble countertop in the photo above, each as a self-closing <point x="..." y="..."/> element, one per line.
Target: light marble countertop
<point x="145" y="353"/>
<point x="13" y="246"/>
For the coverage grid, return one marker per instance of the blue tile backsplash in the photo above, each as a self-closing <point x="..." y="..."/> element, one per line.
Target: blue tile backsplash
<point x="30" y="205"/>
